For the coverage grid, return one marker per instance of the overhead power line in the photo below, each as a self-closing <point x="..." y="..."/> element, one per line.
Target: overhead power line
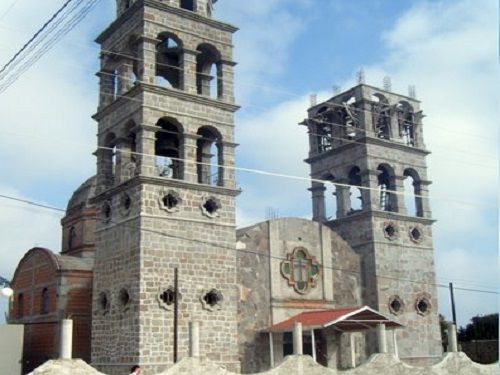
<point x="221" y="246"/>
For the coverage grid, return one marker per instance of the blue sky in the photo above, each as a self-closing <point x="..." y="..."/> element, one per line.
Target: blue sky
<point x="286" y="50"/>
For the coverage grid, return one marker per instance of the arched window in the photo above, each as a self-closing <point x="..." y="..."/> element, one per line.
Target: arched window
<point x="355" y="197"/>
<point x="44" y="307"/>
<point x="20" y="305"/>
<point x="169" y="61"/>
<point x="381" y="116"/>
<point x="413" y="199"/>
<point x="188" y="5"/>
<point x="322" y="130"/>
<point x="387" y="199"/>
<point x="168" y="155"/>
<point x="406" y="120"/>
<point x="330" y="197"/>
<point x="71" y="238"/>
<point x="109" y="157"/>
<point x="209" y="157"/>
<point x="208" y="71"/>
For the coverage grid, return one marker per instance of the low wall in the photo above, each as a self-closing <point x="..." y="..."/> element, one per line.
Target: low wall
<point x="378" y="364"/>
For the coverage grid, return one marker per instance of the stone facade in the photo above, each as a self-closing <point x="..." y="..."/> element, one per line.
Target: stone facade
<point x="165" y="188"/>
<point x="370" y="139"/>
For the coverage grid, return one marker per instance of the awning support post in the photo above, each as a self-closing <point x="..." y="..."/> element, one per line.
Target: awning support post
<point x="271" y="349"/>
<point x="297" y="339"/>
<point x="313" y="344"/>
<point x="382" y="339"/>
<point x="395" y="343"/>
<point x="352" y="346"/>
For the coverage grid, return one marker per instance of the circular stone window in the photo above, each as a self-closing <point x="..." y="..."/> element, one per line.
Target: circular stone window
<point x="124" y="299"/>
<point x="212" y="300"/>
<point x="423" y="305"/>
<point x="210" y="207"/>
<point x="170" y="201"/>
<point x="390" y="231"/>
<point x="396" y="305"/>
<point x="416" y="234"/>
<point x="104" y="302"/>
<point x="166" y="298"/>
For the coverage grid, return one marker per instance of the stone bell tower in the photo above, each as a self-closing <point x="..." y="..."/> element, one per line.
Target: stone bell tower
<point x="369" y="144"/>
<point x="165" y="187"/>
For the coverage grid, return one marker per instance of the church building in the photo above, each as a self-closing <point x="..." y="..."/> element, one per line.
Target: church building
<point x="159" y="217"/>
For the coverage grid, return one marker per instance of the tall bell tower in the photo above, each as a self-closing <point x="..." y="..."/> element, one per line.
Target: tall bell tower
<point x="165" y="187"/>
<point x="369" y="143"/>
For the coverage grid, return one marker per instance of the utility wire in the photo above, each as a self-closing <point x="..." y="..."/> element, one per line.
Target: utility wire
<point x="221" y="246"/>
<point x="44" y="26"/>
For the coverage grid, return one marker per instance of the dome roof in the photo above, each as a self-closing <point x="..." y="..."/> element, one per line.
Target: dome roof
<point x="81" y="197"/>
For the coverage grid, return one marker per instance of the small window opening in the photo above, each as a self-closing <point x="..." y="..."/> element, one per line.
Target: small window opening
<point x="103" y="302"/>
<point x="168" y="150"/>
<point x="213" y="297"/>
<point x="211" y="206"/>
<point x="127" y="202"/>
<point x="107" y="210"/>
<point x="390" y="231"/>
<point x="416" y="235"/>
<point x="71" y="238"/>
<point x="168" y="296"/>
<point x="168" y="63"/>
<point x="170" y="201"/>
<point x="188" y="5"/>
<point x="124" y="297"/>
<point x="208" y="72"/>
<point x="396" y="305"/>
<point x="45" y="301"/>
<point x="20" y="305"/>
<point x="209" y="155"/>
<point x="423" y="306"/>
<point x="355" y="196"/>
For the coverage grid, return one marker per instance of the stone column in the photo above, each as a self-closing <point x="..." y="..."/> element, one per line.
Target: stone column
<point x="228" y="173"/>
<point x="227" y="68"/>
<point x="343" y="194"/>
<point x="147" y="60"/>
<point x="318" y="199"/>
<point x="424" y="201"/>
<point x="452" y="338"/>
<point x="382" y="339"/>
<point x="297" y="339"/>
<point x="145" y="143"/>
<point x="189" y="77"/>
<point x="190" y="166"/>
<point x="371" y="199"/>
<point x="398" y="199"/>
<point x="66" y="339"/>
<point x="125" y="72"/>
<point x="106" y="88"/>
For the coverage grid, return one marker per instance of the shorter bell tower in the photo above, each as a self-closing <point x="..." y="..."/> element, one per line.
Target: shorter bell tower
<point x="367" y="145"/>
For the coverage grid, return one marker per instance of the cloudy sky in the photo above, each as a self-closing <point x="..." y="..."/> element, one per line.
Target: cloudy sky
<point x="286" y="50"/>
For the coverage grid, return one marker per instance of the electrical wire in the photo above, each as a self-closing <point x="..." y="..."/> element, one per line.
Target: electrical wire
<point x="220" y="246"/>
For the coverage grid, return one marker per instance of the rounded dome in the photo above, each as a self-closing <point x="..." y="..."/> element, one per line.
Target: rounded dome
<point x="81" y="197"/>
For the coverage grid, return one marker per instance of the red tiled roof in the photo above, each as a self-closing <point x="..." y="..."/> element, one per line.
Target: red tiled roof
<point x="350" y="319"/>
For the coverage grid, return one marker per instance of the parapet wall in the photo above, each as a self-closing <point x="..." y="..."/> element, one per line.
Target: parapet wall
<point x="378" y="364"/>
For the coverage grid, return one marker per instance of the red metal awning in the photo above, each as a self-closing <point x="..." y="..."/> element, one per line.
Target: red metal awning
<point x="350" y="319"/>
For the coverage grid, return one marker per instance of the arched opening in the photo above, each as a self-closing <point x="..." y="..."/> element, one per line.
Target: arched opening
<point x="209" y="157"/>
<point x="44" y="308"/>
<point x="322" y="130"/>
<point x="381" y="116"/>
<point x="188" y="5"/>
<point x="109" y="160"/>
<point x="406" y="121"/>
<point x="208" y="71"/>
<point x="355" y="196"/>
<point x="413" y="199"/>
<point x="330" y="197"/>
<point x="169" y="61"/>
<point x="168" y="155"/>
<point x="387" y="199"/>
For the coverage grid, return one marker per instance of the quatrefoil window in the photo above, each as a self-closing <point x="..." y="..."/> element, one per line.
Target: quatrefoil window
<point x="301" y="270"/>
